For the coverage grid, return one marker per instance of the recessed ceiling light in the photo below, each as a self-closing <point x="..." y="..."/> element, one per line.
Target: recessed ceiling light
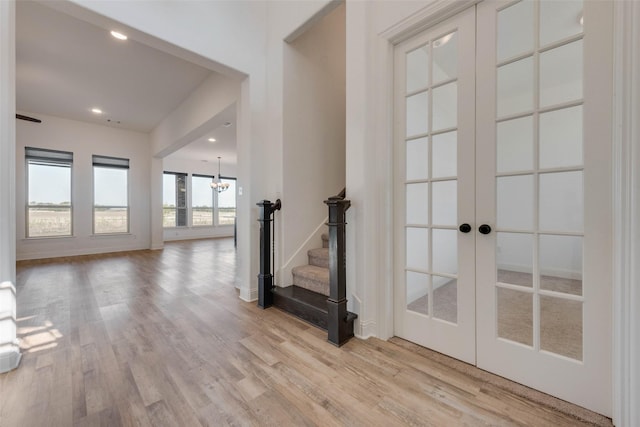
<point x="96" y="111"/>
<point x="212" y="140"/>
<point x="118" y="35"/>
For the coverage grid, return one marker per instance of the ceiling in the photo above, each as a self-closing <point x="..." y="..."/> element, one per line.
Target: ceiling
<point x="65" y="67"/>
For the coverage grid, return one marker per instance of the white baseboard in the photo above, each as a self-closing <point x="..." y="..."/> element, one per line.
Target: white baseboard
<point x="25" y="256"/>
<point x="365" y="329"/>
<point x="248" y="295"/>
<point x="10" y="359"/>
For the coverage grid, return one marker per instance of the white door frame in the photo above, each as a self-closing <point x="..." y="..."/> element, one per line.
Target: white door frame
<point x="626" y="191"/>
<point x="626" y="210"/>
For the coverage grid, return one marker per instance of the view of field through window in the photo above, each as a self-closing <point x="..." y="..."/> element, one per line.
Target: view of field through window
<point x="203" y="202"/>
<point x="49" y="209"/>
<point x="49" y="195"/>
<point x="111" y="207"/>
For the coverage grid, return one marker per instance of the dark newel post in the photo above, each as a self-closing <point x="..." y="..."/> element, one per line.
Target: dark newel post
<point x="338" y="329"/>
<point x="265" y="278"/>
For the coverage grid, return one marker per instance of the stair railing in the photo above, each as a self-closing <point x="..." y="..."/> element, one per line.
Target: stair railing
<point x="265" y="278"/>
<point x="338" y="329"/>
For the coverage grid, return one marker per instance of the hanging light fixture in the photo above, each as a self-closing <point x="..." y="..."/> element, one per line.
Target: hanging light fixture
<point x="218" y="185"/>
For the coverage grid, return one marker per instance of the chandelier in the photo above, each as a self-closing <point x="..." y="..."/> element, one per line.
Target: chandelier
<point x="218" y="185"/>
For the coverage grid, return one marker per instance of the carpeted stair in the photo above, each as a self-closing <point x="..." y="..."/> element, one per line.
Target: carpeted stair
<point x="307" y="297"/>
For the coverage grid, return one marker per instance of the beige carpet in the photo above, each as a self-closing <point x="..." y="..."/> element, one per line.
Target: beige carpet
<point x="560" y="319"/>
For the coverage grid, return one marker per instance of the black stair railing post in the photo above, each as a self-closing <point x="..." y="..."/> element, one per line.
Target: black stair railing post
<point x="338" y="327"/>
<point x="265" y="278"/>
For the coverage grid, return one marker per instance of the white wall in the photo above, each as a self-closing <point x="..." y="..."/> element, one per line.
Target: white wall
<point x="84" y="140"/>
<point x="232" y="34"/>
<point x="192" y="117"/>
<point x="196" y="115"/>
<point x="314" y="133"/>
<point x="9" y="346"/>
<point x="190" y="167"/>
<point x="368" y="162"/>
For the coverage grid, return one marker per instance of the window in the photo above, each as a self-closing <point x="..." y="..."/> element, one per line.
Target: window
<point x="48" y="192"/>
<point x="110" y="195"/>
<point x="201" y="200"/>
<point x="227" y="203"/>
<point x="174" y="199"/>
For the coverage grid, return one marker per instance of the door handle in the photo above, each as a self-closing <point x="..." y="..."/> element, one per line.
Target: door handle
<point x="465" y="228"/>
<point x="484" y="229"/>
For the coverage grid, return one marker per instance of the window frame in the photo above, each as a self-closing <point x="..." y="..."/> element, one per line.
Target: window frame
<point x="64" y="159"/>
<point x="109" y="162"/>
<point x="176" y="208"/>
<point x="213" y="201"/>
<point x="217" y="204"/>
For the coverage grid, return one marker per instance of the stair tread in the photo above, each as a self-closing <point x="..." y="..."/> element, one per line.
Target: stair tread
<point x="314" y="270"/>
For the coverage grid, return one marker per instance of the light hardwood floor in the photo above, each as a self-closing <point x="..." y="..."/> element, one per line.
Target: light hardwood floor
<point x="160" y="338"/>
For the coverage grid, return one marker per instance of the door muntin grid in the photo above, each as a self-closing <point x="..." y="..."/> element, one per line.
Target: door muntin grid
<point x="431" y="138"/>
<point x="539" y="176"/>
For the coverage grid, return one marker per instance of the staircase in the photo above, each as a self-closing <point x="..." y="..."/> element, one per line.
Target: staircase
<point x="307" y="297"/>
<point x="318" y="292"/>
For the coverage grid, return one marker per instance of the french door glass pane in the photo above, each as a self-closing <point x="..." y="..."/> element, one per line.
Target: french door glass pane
<point x="514" y="258"/>
<point x="417" y="153"/>
<point x="417" y="289"/>
<point x="444" y="206"/>
<point x="561" y="138"/>
<point x="561" y="264"/>
<point x="515" y="315"/>
<point x="515" y="30"/>
<point x="515" y="145"/>
<point x="445" y="57"/>
<point x="561" y="74"/>
<point x="561" y="201"/>
<point x="445" y="298"/>
<point x="445" y="107"/>
<point x="417" y="114"/>
<point x="445" y="251"/>
<point x="515" y="87"/>
<point x="418" y="204"/>
<point x="561" y="326"/>
<point x="515" y="202"/>
<point x="559" y="20"/>
<point x="418" y="68"/>
<point x="417" y="248"/>
<point x="445" y="154"/>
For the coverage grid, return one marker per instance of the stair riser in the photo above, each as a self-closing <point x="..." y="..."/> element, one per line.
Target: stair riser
<point x="319" y="261"/>
<point x="311" y="284"/>
<point x="306" y="312"/>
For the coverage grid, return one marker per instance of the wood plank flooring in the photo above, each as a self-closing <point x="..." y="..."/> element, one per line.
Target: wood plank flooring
<point x="160" y="338"/>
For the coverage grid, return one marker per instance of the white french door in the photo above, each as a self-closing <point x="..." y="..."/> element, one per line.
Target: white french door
<point x="502" y="189"/>
<point x="435" y="113"/>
